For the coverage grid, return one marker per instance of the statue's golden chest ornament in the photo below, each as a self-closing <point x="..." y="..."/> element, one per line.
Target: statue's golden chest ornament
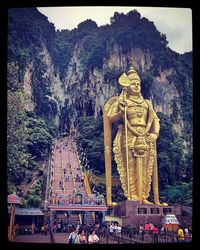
<point x="139" y="110"/>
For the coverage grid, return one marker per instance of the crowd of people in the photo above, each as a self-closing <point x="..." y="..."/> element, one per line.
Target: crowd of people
<point x="150" y="230"/>
<point x="184" y="234"/>
<point x="155" y="232"/>
<point x="115" y="229"/>
<point x="90" y="234"/>
<point x="77" y="236"/>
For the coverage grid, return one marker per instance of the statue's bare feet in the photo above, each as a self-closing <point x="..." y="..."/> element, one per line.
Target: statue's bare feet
<point x="164" y="204"/>
<point x="114" y="204"/>
<point x="146" y="202"/>
<point x="134" y="198"/>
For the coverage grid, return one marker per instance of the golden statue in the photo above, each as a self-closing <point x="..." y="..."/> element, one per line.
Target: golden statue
<point x="134" y="146"/>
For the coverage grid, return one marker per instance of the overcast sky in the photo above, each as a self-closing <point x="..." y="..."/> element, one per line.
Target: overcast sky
<point x="176" y="23"/>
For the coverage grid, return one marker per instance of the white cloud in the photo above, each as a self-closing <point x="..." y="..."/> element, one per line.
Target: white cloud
<point x="176" y="23"/>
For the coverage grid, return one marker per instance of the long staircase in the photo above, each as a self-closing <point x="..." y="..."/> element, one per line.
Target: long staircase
<point x="65" y="157"/>
<point x="67" y="182"/>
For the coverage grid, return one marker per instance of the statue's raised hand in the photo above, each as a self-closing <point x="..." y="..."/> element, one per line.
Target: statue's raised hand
<point x="122" y="105"/>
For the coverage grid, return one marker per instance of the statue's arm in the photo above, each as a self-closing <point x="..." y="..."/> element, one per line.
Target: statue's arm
<point x="155" y="125"/>
<point x="155" y="129"/>
<point x="115" y="113"/>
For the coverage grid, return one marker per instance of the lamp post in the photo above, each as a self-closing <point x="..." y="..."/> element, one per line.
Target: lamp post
<point x="45" y="211"/>
<point x="12" y="200"/>
<point x="45" y="204"/>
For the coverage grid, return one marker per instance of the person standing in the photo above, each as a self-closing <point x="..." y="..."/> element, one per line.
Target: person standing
<point x="180" y="234"/>
<point x="81" y="238"/>
<point x="155" y="234"/>
<point x="187" y="236"/>
<point x="73" y="236"/>
<point x="151" y="234"/>
<point x="163" y="233"/>
<point x="42" y="229"/>
<point x="93" y="238"/>
<point x="111" y="228"/>
<point x="141" y="232"/>
<point x="146" y="227"/>
<point x="59" y="227"/>
<point x="118" y="230"/>
<point x="115" y="227"/>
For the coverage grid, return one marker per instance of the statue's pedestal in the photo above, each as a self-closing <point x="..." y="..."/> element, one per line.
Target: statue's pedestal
<point x="133" y="214"/>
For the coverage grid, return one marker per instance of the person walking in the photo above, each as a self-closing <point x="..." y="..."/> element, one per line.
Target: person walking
<point x="64" y="170"/>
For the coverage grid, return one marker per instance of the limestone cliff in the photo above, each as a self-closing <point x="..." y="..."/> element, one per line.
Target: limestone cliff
<point x="67" y="75"/>
<point x="87" y="94"/>
<point x="94" y="58"/>
<point x="90" y="93"/>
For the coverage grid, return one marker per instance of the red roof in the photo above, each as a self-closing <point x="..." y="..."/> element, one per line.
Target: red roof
<point x="13" y="198"/>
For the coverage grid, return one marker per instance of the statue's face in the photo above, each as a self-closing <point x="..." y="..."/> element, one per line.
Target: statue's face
<point x="135" y="86"/>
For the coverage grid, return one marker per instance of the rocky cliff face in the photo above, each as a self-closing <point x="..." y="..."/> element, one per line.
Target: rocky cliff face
<point x="163" y="92"/>
<point x="93" y="91"/>
<point x="137" y="57"/>
<point x="27" y="86"/>
<point x="97" y="90"/>
<point x="83" y="91"/>
<point x="87" y="94"/>
<point x="49" y="77"/>
<point x="53" y="80"/>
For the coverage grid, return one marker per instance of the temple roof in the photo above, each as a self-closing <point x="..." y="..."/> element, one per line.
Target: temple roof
<point x="27" y="211"/>
<point x="13" y="198"/>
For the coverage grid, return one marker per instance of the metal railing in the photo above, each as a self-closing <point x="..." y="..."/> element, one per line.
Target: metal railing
<point x="114" y="239"/>
<point x="131" y="236"/>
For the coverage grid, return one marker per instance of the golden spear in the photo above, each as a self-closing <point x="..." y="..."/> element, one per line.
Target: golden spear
<point x="125" y="82"/>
